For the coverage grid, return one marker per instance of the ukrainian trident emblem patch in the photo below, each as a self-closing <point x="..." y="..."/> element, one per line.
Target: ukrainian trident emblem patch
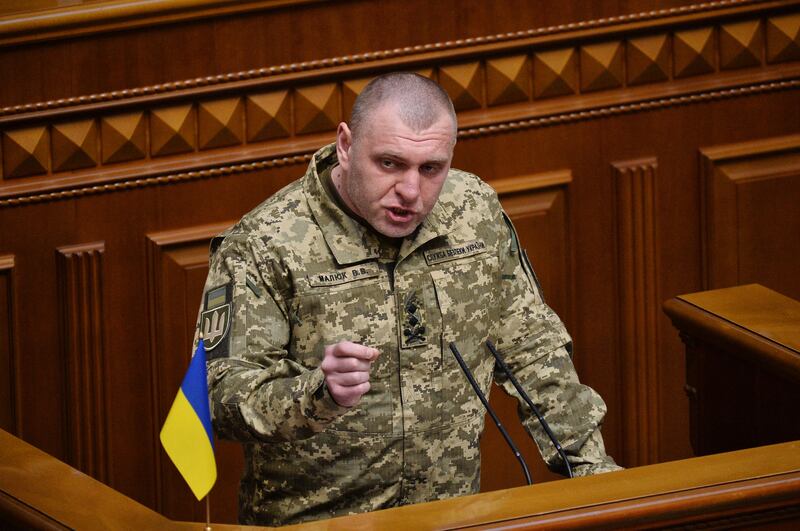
<point x="216" y="318"/>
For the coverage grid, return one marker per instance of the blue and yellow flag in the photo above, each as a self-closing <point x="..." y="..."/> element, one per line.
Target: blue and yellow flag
<point x="186" y="434"/>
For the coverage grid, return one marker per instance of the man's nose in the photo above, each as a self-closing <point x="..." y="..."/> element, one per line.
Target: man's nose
<point x="408" y="186"/>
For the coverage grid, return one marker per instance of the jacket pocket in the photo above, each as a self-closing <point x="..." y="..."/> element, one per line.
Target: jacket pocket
<point x="362" y="313"/>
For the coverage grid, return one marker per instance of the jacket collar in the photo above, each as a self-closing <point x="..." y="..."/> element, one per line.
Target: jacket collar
<point x="350" y="241"/>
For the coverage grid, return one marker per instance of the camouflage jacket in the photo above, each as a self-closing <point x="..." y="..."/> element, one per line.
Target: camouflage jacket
<point x="297" y="274"/>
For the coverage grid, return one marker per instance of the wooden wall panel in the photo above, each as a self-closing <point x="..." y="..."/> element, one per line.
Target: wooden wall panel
<point x="80" y="281"/>
<point x="8" y="351"/>
<point x="153" y="138"/>
<point x="752" y="218"/>
<point x="637" y="285"/>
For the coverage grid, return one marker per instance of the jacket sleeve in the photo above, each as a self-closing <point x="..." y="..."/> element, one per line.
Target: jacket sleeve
<point x="258" y="392"/>
<point x="537" y="349"/>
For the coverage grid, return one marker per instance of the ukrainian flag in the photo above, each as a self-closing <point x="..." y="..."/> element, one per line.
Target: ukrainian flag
<point x="186" y="434"/>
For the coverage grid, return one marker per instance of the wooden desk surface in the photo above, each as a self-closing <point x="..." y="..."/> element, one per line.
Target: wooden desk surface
<point x="751" y="322"/>
<point x="756" y="308"/>
<point x="692" y="489"/>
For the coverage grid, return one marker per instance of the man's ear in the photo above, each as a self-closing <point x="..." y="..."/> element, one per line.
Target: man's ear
<point x="344" y="143"/>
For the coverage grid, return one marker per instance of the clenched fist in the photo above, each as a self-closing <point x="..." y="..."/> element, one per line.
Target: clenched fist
<point x="346" y="367"/>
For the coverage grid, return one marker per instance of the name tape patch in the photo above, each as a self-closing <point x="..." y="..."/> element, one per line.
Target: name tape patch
<point x="443" y="254"/>
<point x="343" y="276"/>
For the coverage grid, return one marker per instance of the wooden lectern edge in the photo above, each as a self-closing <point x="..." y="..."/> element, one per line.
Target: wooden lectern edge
<point x="775" y="463"/>
<point x="673" y="509"/>
<point x="69" y="497"/>
<point x="718" y="331"/>
<point x="61" y="493"/>
<point x="761" y="311"/>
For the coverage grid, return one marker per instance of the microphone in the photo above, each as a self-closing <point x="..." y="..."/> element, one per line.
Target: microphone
<point x="496" y="420"/>
<point x="528" y="401"/>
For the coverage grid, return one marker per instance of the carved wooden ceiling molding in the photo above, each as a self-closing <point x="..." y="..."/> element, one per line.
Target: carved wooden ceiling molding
<point x="85" y="19"/>
<point x="11" y="198"/>
<point x="640" y="106"/>
<point x="578" y="76"/>
<point x="667" y="16"/>
<point x="206" y="173"/>
<point x="81" y="19"/>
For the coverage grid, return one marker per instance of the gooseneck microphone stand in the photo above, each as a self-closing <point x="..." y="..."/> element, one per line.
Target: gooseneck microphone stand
<point x="528" y="401"/>
<point x="496" y="420"/>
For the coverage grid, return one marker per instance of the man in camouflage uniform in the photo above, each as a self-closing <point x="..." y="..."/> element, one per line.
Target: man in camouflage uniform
<point x="328" y="311"/>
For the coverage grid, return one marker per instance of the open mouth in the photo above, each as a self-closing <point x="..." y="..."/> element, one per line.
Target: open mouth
<point x="399" y="214"/>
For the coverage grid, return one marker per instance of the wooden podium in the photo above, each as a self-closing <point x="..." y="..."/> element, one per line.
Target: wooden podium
<point x="743" y="371"/>
<point x="758" y="487"/>
<point x="742" y="366"/>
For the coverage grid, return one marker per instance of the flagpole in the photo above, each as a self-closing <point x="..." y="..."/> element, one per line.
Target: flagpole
<point x="208" y="514"/>
<point x="208" y="501"/>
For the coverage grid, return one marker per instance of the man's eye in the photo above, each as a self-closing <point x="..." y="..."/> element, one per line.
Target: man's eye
<point x="386" y="163"/>
<point x="429" y="169"/>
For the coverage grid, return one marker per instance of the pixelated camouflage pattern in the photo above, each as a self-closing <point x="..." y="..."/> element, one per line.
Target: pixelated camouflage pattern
<point x="414" y="436"/>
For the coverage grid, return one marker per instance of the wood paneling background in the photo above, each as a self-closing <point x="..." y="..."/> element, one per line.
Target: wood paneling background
<point x="644" y="149"/>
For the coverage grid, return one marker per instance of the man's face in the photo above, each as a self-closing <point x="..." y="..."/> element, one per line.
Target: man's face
<point x="391" y="175"/>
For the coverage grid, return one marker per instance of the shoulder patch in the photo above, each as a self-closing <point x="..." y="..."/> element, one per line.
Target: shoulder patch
<point x="522" y="254"/>
<point x="532" y="272"/>
<point x="443" y="254"/>
<point x="215" y="321"/>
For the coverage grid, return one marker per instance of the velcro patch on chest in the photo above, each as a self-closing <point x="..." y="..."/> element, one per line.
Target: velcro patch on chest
<point x="343" y="276"/>
<point x="443" y="254"/>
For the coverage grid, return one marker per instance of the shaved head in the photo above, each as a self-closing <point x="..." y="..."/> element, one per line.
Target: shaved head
<point x="395" y="154"/>
<point x="418" y="102"/>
